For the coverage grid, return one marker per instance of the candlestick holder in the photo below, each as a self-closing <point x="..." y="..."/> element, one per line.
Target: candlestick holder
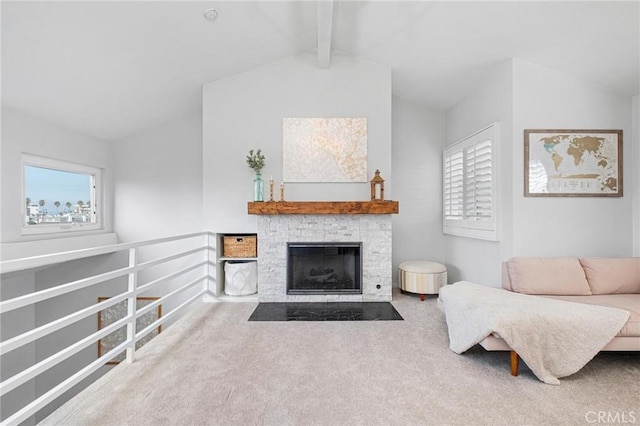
<point x="271" y="189"/>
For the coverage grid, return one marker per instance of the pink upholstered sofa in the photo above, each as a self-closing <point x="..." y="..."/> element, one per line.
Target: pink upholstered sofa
<point x="612" y="282"/>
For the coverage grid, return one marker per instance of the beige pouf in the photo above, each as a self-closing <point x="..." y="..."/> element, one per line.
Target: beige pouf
<point x="422" y="277"/>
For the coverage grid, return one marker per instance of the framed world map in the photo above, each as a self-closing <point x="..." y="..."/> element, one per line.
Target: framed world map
<point x="572" y="163"/>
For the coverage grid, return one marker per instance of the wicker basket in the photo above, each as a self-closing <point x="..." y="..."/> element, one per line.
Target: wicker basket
<point x="240" y="246"/>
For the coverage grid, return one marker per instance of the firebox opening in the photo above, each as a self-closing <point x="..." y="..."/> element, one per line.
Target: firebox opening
<point x="324" y="268"/>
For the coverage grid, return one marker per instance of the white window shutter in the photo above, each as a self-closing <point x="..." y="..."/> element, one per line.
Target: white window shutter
<point x="478" y="181"/>
<point x="469" y="186"/>
<point x="453" y="186"/>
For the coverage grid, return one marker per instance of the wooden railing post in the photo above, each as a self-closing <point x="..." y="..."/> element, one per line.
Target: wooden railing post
<point x="131" y="304"/>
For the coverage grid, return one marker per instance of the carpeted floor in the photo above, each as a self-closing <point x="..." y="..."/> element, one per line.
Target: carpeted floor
<point x="215" y="367"/>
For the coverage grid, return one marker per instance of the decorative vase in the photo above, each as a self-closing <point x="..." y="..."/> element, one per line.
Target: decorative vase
<point x="258" y="188"/>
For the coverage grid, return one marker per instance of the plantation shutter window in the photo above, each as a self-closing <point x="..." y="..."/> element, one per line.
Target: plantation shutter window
<point x="478" y="183"/>
<point x="453" y="186"/>
<point x="469" y="186"/>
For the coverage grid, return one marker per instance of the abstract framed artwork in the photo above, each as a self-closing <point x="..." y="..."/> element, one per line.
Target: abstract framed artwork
<point x="324" y="150"/>
<point x="572" y="163"/>
<point x="118" y="311"/>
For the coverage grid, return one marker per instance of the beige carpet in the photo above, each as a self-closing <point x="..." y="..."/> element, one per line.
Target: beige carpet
<point x="215" y="367"/>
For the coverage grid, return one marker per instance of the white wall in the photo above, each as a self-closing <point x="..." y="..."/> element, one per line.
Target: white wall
<point x="635" y="141"/>
<point x="521" y="96"/>
<point x="26" y="134"/>
<point x="569" y="226"/>
<point x="158" y="193"/>
<point x="246" y="111"/>
<point x="467" y="258"/>
<point x="418" y="139"/>
<point x="158" y="181"/>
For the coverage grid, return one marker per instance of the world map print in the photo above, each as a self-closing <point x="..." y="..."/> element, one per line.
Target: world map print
<point x="573" y="163"/>
<point x="324" y="149"/>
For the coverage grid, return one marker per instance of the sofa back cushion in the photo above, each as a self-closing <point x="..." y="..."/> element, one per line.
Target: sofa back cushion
<point x="554" y="276"/>
<point x="612" y="275"/>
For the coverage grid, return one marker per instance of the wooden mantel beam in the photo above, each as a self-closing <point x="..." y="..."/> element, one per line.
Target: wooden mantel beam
<point x="325" y="25"/>
<point x="323" y="207"/>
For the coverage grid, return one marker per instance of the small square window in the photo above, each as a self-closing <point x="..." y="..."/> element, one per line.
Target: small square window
<point x="59" y="196"/>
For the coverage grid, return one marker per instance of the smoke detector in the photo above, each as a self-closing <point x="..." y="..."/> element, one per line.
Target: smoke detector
<point x="211" y="14"/>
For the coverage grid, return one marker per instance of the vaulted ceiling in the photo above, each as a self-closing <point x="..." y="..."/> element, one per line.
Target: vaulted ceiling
<point x="111" y="69"/>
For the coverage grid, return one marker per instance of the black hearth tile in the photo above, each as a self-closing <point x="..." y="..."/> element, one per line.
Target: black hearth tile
<point x="325" y="311"/>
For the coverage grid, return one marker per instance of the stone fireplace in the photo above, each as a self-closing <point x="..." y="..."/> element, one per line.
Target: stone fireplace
<point x="279" y="227"/>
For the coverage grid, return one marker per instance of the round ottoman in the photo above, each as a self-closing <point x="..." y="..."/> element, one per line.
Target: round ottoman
<point x="422" y="277"/>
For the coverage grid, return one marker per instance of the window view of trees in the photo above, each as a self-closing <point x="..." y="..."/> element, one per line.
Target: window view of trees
<point x="50" y="194"/>
<point x="38" y="212"/>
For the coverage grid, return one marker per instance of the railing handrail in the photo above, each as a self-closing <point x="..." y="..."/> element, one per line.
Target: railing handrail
<point x="207" y="247"/>
<point x="23" y="263"/>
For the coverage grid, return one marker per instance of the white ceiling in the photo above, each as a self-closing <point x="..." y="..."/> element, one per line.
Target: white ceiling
<point x="112" y="69"/>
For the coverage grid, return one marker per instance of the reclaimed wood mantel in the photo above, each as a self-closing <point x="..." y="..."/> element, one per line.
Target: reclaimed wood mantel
<point x="322" y="207"/>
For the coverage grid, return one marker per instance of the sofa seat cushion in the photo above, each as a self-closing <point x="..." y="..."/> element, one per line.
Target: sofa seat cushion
<point x="612" y="275"/>
<point x="628" y="302"/>
<point x="554" y="276"/>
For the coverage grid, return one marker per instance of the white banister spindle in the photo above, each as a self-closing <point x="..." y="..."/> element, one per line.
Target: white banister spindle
<point x="131" y="304"/>
<point x="211" y="261"/>
<point x="209" y="255"/>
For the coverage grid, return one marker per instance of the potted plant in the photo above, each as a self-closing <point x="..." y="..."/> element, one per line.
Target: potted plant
<point x="255" y="160"/>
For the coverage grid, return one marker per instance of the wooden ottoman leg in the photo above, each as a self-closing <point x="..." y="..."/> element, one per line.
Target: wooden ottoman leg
<point x="422" y="297"/>
<point x="514" y="363"/>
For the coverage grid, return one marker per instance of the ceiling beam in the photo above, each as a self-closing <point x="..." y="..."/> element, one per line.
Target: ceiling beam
<point x="325" y="24"/>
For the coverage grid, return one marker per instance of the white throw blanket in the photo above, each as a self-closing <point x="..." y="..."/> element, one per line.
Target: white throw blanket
<point x="555" y="338"/>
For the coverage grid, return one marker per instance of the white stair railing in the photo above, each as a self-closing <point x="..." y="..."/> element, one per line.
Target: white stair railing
<point x="205" y="263"/>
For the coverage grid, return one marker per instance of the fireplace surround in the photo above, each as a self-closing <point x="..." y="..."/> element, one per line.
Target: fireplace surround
<point x="364" y="222"/>
<point x="372" y="231"/>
